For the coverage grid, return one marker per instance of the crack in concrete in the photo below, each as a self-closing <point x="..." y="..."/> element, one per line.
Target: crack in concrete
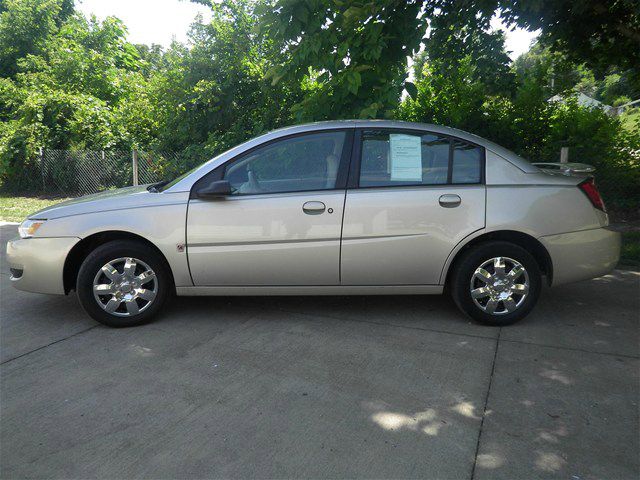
<point x="520" y="342"/>
<point x="388" y="324"/>
<point x="572" y="349"/>
<point x="486" y="402"/>
<point x="48" y="345"/>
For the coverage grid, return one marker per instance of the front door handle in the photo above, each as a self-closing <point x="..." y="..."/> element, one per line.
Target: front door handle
<point x="449" y="200"/>
<point x="313" y="208"/>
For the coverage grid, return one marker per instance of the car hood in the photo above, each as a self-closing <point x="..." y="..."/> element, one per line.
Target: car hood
<point x="121" y="198"/>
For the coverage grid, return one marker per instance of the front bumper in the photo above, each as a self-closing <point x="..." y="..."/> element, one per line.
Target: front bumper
<point x="41" y="261"/>
<point x="582" y="255"/>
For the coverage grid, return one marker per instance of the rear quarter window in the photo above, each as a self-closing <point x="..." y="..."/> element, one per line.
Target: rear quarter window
<point x="467" y="162"/>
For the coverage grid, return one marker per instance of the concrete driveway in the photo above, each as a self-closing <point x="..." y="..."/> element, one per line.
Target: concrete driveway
<point x="401" y="387"/>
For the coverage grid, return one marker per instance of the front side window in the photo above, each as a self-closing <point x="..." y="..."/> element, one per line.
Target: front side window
<point x="307" y="162"/>
<point x="396" y="159"/>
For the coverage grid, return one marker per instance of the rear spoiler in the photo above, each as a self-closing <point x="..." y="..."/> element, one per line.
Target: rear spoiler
<point x="567" y="168"/>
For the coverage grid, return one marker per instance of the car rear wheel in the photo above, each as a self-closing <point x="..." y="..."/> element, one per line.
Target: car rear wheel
<point x="496" y="283"/>
<point x="123" y="283"/>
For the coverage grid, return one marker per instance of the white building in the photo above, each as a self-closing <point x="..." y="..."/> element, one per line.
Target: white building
<point x="586" y="101"/>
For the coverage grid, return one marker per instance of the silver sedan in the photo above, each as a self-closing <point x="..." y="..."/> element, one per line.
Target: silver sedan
<point x="333" y="208"/>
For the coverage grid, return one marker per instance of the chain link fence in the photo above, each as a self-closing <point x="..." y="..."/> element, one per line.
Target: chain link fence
<point x="622" y="202"/>
<point x="72" y="173"/>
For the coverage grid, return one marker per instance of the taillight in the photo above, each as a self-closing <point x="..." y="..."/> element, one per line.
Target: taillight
<point x="589" y="188"/>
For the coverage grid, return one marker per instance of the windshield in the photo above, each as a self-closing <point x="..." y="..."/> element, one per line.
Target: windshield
<point x="162" y="186"/>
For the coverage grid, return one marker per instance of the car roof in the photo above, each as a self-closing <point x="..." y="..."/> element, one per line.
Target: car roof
<point x="186" y="182"/>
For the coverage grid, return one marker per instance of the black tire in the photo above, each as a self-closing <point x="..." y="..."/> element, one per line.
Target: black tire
<point x="109" y="252"/>
<point x="476" y="256"/>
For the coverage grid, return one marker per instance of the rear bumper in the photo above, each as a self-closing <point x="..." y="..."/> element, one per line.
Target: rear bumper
<point x="37" y="264"/>
<point x="582" y="255"/>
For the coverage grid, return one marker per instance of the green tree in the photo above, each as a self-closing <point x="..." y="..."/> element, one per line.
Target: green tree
<point x="349" y="56"/>
<point x="559" y="74"/>
<point x="451" y="96"/>
<point x="25" y="26"/>
<point x="461" y="31"/>
<point x="82" y="89"/>
<point x="599" y="33"/>
<point x="216" y="93"/>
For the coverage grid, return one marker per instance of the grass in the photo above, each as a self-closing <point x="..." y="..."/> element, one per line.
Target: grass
<point x="16" y="209"/>
<point x="630" y="254"/>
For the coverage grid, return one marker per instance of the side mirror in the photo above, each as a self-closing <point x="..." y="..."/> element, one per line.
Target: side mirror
<point x="214" y="190"/>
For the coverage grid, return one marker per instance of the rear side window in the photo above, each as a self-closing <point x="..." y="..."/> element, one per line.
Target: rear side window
<point x="396" y="159"/>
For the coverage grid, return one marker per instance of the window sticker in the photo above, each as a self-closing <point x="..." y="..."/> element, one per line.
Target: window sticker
<point x="406" y="157"/>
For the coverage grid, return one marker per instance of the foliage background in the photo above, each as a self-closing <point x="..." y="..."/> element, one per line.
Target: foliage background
<point x="68" y="82"/>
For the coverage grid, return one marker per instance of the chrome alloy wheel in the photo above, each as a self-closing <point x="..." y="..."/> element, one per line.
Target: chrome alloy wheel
<point x="499" y="286"/>
<point x="125" y="287"/>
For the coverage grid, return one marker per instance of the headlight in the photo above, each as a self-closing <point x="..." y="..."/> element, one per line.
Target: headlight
<point x="29" y="227"/>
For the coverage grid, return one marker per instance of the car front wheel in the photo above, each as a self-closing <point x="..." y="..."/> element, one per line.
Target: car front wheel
<point x="496" y="283"/>
<point x="123" y="283"/>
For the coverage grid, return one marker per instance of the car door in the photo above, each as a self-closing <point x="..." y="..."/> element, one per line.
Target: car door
<point x="415" y="196"/>
<point x="281" y="225"/>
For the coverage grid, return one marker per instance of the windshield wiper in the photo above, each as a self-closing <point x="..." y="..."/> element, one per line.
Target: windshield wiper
<point x="154" y="186"/>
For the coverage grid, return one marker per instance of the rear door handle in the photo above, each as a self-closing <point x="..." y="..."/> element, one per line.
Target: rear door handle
<point x="313" y="208"/>
<point x="449" y="200"/>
